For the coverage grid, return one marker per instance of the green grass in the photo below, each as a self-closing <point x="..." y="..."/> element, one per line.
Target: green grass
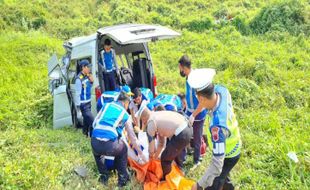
<point x="266" y="71"/>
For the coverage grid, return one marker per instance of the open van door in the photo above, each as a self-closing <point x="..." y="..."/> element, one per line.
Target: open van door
<point x="58" y="89"/>
<point x="137" y="33"/>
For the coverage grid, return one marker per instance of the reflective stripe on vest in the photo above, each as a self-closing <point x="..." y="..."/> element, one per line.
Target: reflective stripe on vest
<point x="86" y="88"/>
<point x="233" y="141"/>
<point x="110" y="122"/>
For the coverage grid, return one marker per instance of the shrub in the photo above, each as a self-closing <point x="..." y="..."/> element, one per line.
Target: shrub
<point x="199" y="25"/>
<point x="286" y="16"/>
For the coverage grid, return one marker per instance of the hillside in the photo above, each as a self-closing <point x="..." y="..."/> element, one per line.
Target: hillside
<point x="260" y="49"/>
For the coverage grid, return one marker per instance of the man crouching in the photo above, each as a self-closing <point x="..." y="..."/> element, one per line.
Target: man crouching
<point x="106" y="138"/>
<point x="166" y="124"/>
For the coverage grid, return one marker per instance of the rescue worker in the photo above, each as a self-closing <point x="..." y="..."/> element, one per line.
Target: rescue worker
<point x="109" y="65"/>
<point x="169" y="102"/>
<point x="106" y="138"/>
<point x="109" y="96"/>
<point x="166" y="124"/>
<point x="224" y="137"/>
<point x="194" y="111"/>
<point x="83" y="85"/>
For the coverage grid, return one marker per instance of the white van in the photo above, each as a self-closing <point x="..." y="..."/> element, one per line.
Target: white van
<point x="130" y="42"/>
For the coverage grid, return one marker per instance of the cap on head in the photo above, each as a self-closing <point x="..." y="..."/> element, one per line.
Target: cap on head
<point x="127" y="90"/>
<point x="84" y="63"/>
<point x="200" y="79"/>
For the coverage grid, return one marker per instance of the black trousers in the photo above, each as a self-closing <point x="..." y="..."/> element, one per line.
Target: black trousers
<point x="88" y="118"/>
<point x="116" y="148"/>
<point x="197" y="135"/>
<point x="110" y="80"/>
<point x="175" y="150"/>
<point x="223" y="182"/>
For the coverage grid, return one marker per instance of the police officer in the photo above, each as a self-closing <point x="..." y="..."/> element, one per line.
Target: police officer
<point x="194" y="111"/>
<point x="106" y="138"/>
<point x="224" y="138"/>
<point x="83" y="85"/>
<point x="166" y="125"/>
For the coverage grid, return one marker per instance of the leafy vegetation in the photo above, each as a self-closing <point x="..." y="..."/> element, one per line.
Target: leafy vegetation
<point x="260" y="49"/>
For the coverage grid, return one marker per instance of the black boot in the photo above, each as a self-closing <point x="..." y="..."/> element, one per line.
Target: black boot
<point x="104" y="179"/>
<point x="122" y="181"/>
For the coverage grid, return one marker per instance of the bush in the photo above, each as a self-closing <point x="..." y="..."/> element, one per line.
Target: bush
<point x="286" y="16"/>
<point x="199" y="25"/>
<point x="241" y="25"/>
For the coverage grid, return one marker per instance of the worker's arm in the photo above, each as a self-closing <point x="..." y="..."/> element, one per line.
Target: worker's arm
<point x="78" y="90"/>
<point x="114" y="60"/>
<point x="132" y="113"/>
<point x="134" y="119"/>
<point x="132" y="137"/>
<point x="215" y="168"/>
<point x="151" y="130"/>
<point x="197" y="110"/>
<point x="161" y="145"/>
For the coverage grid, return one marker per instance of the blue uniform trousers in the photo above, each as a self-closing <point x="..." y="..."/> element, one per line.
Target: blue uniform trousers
<point x="110" y="80"/>
<point x="116" y="148"/>
<point x="88" y="118"/>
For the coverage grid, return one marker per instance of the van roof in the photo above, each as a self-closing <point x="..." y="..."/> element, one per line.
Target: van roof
<point x="127" y="33"/>
<point x="137" y="33"/>
<point x="80" y="40"/>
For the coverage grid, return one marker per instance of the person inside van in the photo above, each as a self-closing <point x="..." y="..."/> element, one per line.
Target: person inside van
<point x="109" y="65"/>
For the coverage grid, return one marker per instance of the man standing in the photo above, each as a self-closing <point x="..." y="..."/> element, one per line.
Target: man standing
<point x="109" y="64"/>
<point x="83" y="85"/>
<point x="194" y="111"/>
<point x="224" y="138"/>
<point x="166" y="124"/>
<point x="106" y="138"/>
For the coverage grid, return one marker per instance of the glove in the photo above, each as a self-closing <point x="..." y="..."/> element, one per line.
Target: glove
<point x="191" y="120"/>
<point x="79" y="115"/>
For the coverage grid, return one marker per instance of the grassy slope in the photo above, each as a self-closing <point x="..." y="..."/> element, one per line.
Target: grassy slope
<point x="268" y="76"/>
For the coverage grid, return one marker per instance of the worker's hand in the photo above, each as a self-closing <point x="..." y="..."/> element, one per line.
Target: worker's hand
<point x="191" y="120"/>
<point x="152" y="156"/>
<point x="136" y="129"/>
<point x="143" y="158"/>
<point x="91" y="78"/>
<point x="194" y="187"/>
<point x="79" y="115"/>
